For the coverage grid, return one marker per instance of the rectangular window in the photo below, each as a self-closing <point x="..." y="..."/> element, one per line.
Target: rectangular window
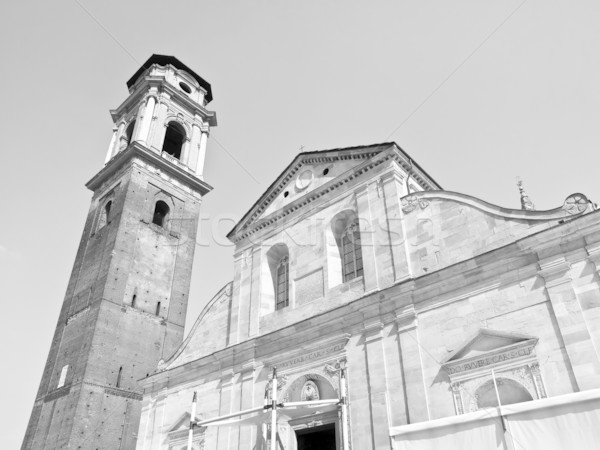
<point x="63" y="376"/>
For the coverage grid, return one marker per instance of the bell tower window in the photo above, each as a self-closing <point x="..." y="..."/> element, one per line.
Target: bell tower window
<point x="129" y="132"/>
<point x="161" y="211"/>
<point x="104" y="215"/>
<point x="107" y="211"/>
<point x="174" y="138"/>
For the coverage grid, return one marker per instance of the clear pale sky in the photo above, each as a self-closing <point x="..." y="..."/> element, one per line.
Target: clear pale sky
<point x="317" y="74"/>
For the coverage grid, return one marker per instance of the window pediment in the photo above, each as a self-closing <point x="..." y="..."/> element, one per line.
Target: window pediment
<point x="489" y="348"/>
<point x="510" y="356"/>
<point x="179" y="432"/>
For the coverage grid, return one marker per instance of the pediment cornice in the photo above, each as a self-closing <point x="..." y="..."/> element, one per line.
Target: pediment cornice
<point x="372" y="157"/>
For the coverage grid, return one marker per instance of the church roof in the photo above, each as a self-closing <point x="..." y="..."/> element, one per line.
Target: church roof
<point x="336" y="154"/>
<point x="163" y="60"/>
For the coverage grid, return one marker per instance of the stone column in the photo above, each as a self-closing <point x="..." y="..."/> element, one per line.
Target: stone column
<point x="185" y="149"/>
<point x="111" y="147"/>
<point x="146" y="120"/>
<point x="190" y="157"/>
<point x="121" y="143"/>
<point x="412" y="366"/>
<point x="157" y="132"/>
<point x="575" y="333"/>
<point x="202" y="152"/>
<point x="373" y="335"/>
<point x="135" y="135"/>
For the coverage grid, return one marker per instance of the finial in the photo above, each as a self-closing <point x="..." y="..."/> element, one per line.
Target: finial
<point x="526" y="203"/>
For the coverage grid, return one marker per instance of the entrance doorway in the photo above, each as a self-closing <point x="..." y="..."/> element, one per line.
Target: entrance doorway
<point x="316" y="438"/>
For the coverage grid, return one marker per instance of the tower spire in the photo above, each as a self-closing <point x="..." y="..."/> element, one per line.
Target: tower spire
<point x="526" y="202"/>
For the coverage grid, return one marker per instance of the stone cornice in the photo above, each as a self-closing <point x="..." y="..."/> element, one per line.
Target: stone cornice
<point x="159" y="83"/>
<point x="140" y="151"/>
<point x="554" y="268"/>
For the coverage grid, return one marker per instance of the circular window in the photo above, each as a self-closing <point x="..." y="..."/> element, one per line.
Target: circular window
<point x="185" y="87"/>
<point x="326" y="171"/>
<point x="304" y="179"/>
<point x="286" y="193"/>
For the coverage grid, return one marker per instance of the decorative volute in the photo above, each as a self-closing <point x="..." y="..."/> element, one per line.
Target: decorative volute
<point x="165" y="112"/>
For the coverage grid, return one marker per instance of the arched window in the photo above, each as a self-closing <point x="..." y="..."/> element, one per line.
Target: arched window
<point x="174" y="138"/>
<point x="161" y="212"/>
<point x="282" y="298"/>
<point x="279" y="263"/>
<point x="509" y="392"/>
<point x="352" y="263"/>
<point x="346" y="263"/>
<point x="105" y="215"/>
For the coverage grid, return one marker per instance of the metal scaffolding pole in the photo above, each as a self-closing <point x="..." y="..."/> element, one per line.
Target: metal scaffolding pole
<point x="192" y="422"/>
<point x="344" y="403"/>
<point x="274" y="411"/>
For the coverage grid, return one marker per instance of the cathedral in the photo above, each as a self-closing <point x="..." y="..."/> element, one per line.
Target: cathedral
<point x="369" y="309"/>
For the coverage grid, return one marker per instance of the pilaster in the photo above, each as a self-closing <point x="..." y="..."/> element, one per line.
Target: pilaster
<point x="412" y="366"/>
<point x="255" y="298"/>
<point x="247" y="434"/>
<point x="392" y="188"/>
<point x="225" y="403"/>
<point x="377" y="258"/>
<point x="575" y="334"/>
<point x="373" y="339"/>
<point x="590" y="300"/>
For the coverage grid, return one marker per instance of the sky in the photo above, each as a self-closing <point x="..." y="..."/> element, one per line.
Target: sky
<point x="478" y="92"/>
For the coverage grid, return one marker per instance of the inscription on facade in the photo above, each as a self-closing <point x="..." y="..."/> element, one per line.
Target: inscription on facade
<point x="488" y="361"/>
<point x="316" y="355"/>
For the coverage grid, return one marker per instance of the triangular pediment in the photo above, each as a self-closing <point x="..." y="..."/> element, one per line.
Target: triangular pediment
<point x="488" y="341"/>
<point x="182" y="423"/>
<point x="312" y="172"/>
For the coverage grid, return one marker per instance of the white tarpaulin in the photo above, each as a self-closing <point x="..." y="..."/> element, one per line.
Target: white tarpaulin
<point x="566" y="422"/>
<point x="481" y="432"/>
<point x="556" y="426"/>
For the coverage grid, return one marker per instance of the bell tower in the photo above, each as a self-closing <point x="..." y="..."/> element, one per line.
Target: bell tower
<point x="126" y="301"/>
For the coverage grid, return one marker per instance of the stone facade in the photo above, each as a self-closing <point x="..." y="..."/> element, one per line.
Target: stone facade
<point x="355" y="272"/>
<point x="454" y="295"/>
<point x="125" y="305"/>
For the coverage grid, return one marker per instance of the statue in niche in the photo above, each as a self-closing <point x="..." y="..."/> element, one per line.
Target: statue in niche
<point x="310" y="391"/>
